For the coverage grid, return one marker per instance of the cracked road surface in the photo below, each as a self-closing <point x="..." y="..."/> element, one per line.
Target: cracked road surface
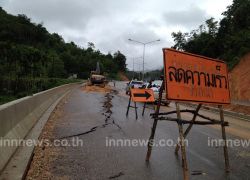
<point x="97" y="116"/>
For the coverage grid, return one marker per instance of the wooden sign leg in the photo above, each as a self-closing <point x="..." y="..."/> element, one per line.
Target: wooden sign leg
<point x="224" y="138"/>
<point x="143" y="110"/>
<point x="157" y="110"/>
<point x="151" y="138"/>
<point x="128" y="105"/>
<point x="136" y="116"/>
<point x="189" y="127"/>
<point x="183" y="149"/>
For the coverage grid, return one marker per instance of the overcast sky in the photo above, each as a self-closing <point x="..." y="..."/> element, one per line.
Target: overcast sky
<point x="110" y="23"/>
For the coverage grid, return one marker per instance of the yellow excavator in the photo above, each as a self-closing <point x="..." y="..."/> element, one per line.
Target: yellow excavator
<point x="96" y="78"/>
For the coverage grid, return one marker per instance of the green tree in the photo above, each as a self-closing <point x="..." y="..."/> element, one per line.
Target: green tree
<point x="228" y="40"/>
<point x="120" y="60"/>
<point x="180" y="40"/>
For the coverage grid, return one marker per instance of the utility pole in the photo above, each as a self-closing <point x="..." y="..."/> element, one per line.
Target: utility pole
<point x="134" y="58"/>
<point x="143" y="56"/>
<point x="133" y="68"/>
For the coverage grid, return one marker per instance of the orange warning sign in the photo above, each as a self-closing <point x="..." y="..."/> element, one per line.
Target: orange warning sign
<point x="142" y="95"/>
<point x="191" y="77"/>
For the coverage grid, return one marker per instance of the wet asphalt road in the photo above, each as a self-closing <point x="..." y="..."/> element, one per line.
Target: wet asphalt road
<point x="98" y="117"/>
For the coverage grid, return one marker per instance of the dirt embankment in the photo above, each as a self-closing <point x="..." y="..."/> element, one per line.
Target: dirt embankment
<point x="239" y="81"/>
<point x="122" y="76"/>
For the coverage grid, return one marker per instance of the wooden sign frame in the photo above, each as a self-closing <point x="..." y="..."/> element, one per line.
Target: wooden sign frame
<point x="157" y="115"/>
<point x="144" y="95"/>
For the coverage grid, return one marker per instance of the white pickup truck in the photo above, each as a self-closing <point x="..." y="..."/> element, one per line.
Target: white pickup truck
<point x="134" y="84"/>
<point x="155" y="86"/>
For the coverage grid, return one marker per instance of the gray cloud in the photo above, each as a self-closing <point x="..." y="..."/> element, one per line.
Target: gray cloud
<point x="55" y="14"/>
<point x="4" y="2"/>
<point x="188" y="17"/>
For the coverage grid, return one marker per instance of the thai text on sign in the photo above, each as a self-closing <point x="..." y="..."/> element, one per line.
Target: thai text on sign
<point x="195" y="78"/>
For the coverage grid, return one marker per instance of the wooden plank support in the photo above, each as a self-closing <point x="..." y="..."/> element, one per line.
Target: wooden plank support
<point x="129" y="106"/>
<point x="157" y="110"/>
<point x="181" y="142"/>
<point x="227" y="167"/>
<point x="190" y="122"/>
<point x="143" y="110"/>
<point x="136" y="116"/>
<point x="189" y="127"/>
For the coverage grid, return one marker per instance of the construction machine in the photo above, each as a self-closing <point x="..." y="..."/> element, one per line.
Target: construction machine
<point x="96" y="78"/>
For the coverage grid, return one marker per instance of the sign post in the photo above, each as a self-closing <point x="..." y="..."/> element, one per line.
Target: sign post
<point x="197" y="79"/>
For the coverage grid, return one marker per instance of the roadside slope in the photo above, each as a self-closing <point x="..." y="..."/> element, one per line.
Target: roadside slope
<point x="239" y="81"/>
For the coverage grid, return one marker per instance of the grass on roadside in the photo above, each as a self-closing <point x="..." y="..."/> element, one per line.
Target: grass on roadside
<point x="28" y="87"/>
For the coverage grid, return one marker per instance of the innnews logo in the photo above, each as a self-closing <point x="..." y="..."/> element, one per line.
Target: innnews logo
<point x="110" y="142"/>
<point x="72" y="142"/>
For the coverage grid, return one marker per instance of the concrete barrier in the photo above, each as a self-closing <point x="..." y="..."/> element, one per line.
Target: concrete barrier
<point x="19" y="116"/>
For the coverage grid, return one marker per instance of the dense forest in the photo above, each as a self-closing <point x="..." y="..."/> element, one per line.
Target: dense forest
<point x="32" y="59"/>
<point x="228" y="39"/>
<point x="149" y="75"/>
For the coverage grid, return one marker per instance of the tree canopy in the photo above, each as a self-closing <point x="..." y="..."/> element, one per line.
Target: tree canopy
<point x="28" y="49"/>
<point x="228" y="39"/>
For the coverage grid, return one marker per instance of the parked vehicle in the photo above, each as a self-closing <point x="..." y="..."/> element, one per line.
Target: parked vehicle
<point x="134" y="84"/>
<point x="155" y="86"/>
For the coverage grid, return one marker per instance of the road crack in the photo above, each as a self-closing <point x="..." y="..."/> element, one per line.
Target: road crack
<point x="107" y="105"/>
<point x="117" y="175"/>
<point x="80" y="134"/>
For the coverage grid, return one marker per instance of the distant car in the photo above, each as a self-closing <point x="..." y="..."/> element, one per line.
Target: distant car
<point x="155" y="86"/>
<point x="134" y="84"/>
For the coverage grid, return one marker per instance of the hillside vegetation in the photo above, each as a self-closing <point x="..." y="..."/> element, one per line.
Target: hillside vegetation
<point x="32" y="59"/>
<point x="228" y="39"/>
